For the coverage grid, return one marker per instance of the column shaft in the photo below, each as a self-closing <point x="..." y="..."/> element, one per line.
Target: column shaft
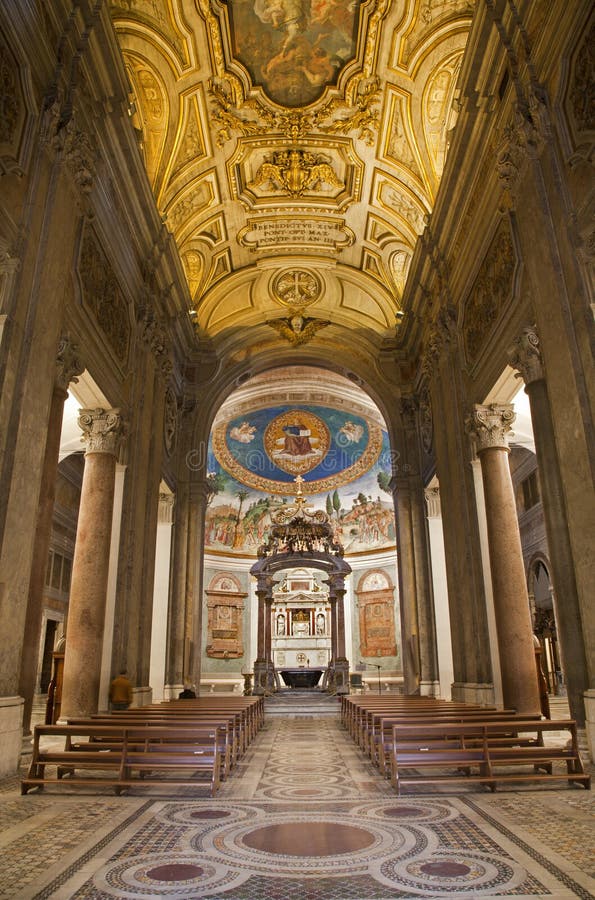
<point x="520" y="689"/>
<point x="82" y="662"/>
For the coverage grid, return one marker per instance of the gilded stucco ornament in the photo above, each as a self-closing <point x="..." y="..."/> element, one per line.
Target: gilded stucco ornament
<point x="296" y="288"/>
<point x="296" y="328"/>
<point x="294" y="171"/>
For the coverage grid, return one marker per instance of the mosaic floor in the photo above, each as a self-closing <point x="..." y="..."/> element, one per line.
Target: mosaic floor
<point x="304" y="817"/>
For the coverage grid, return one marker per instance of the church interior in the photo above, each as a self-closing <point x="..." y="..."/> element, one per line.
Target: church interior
<point x="296" y="416"/>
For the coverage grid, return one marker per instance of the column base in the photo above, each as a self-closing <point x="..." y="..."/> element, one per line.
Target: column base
<point x="429" y="688"/>
<point x="11" y="734"/>
<point x="172" y="691"/>
<point x="264" y="677"/>
<point x="467" y="692"/>
<point x="341" y="675"/>
<point x="589" y="697"/>
<point x="142" y="696"/>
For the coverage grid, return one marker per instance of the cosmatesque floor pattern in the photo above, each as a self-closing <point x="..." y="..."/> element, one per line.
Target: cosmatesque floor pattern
<point x="304" y="817"/>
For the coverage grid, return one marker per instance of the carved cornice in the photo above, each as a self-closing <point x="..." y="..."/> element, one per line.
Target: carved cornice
<point x="525" y="356"/>
<point x="68" y="363"/>
<point x="489" y="425"/>
<point x="103" y="429"/>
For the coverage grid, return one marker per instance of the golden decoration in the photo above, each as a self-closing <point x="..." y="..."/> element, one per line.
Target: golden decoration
<point x="296" y="171"/>
<point x="296" y="328"/>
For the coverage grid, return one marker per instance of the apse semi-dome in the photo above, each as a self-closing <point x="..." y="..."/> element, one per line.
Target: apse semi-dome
<point x="339" y="458"/>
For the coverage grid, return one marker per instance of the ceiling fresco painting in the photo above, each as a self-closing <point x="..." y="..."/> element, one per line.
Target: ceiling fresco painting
<point x="342" y="460"/>
<point x="293" y="48"/>
<point x="292" y="136"/>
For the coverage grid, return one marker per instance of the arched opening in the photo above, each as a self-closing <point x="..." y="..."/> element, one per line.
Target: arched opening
<point x="309" y="426"/>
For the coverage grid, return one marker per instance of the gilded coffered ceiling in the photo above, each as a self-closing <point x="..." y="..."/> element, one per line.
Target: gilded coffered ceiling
<point x="294" y="148"/>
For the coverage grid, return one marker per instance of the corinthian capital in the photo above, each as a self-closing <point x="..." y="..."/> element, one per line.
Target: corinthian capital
<point x="68" y="363"/>
<point x="489" y="425"/>
<point x="102" y="430"/>
<point x="525" y="355"/>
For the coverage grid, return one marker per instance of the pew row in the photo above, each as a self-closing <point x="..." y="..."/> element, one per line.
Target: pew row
<point x="508" y="751"/>
<point x="122" y="756"/>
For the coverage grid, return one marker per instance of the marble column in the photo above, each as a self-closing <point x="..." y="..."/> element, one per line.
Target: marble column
<point x="525" y="356"/>
<point x="68" y="366"/>
<point x="102" y="430"/>
<point x="489" y="425"/>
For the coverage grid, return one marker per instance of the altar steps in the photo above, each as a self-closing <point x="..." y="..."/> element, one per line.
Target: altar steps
<point x="295" y="702"/>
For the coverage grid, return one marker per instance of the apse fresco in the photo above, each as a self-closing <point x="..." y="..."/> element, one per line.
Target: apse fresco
<point x="293" y="48"/>
<point x="254" y="460"/>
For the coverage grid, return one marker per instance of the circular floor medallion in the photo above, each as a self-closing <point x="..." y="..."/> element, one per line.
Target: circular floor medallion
<point x="174" y="872"/>
<point x="309" y="839"/>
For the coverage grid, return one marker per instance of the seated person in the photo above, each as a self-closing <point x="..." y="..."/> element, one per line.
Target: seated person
<point x="188" y="693"/>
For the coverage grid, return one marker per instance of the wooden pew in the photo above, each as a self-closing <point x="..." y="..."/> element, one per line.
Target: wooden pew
<point x="224" y="727"/>
<point x="508" y="751"/>
<point x="381" y="738"/>
<point x="128" y="756"/>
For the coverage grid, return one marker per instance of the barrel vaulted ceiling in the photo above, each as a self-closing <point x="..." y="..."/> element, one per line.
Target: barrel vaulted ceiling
<point x="294" y="148"/>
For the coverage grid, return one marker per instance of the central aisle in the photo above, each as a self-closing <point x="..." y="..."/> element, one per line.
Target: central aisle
<point x="304" y="817"/>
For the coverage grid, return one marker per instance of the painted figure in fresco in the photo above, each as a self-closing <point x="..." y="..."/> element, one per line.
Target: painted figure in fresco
<point x="243" y="433"/>
<point x="297" y="440"/>
<point x="289" y="15"/>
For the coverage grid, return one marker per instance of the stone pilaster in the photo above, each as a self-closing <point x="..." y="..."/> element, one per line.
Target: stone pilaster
<point x="341" y="663"/>
<point x="174" y="658"/>
<point x="525" y="356"/>
<point x="68" y="366"/>
<point x="440" y="592"/>
<point x="264" y="593"/>
<point x="466" y="596"/>
<point x="194" y="570"/>
<point x="102" y="432"/>
<point x="489" y="425"/>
